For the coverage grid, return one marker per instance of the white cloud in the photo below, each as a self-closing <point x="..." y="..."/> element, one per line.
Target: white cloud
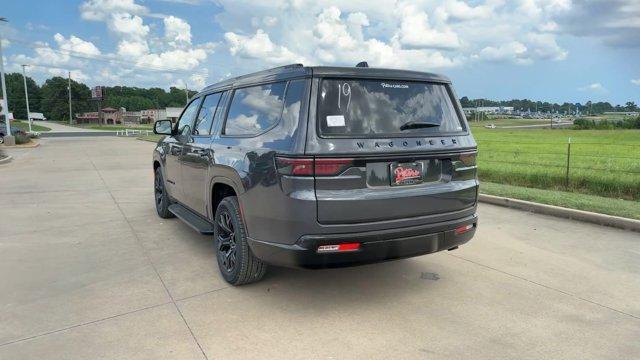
<point x="615" y="22"/>
<point x="514" y="51"/>
<point x="416" y="32"/>
<point x="101" y="10"/>
<point x="594" y="87"/>
<point x="331" y="32"/>
<point x="635" y="82"/>
<point x="177" y="32"/>
<point x="128" y="26"/>
<point x="75" y="44"/>
<point x="420" y="34"/>
<point x="259" y="46"/>
<point x="544" y="46"/>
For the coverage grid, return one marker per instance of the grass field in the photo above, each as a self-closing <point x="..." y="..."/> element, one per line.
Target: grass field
<point x="510" y="122"/>
<point x="603" y="205"/>
<point x="24" y="126"/>
<point x="602" y="162"/>
<point x="152" y="138"/>
<point x="117" y="127"/>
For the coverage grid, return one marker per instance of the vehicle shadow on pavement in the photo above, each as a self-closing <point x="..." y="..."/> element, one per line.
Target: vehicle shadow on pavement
<point x="375" y="284"/>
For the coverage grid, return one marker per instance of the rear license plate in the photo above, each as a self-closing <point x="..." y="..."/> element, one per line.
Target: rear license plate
<point x="406" y="173"/>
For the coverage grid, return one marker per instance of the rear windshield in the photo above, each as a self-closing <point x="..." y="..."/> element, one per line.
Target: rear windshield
<point x="379" y="108"/>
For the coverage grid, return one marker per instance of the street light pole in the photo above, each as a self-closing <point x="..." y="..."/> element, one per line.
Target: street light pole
<point x="5" y="106"/>
<point x="26" y="95"/>
<point x="70" y="112"/>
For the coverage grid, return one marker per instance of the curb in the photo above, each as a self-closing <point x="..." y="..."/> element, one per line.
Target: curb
<point x="6" y="160"/>
<point x="78" y="134"/>
<point x="580" y="215"/>
<point x="33" y="144"/>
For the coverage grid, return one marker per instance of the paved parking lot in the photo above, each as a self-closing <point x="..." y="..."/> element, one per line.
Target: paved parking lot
<point x="88" y="271"/>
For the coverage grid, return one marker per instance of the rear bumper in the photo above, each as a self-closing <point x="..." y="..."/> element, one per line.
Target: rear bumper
<point x="375" y="246"/>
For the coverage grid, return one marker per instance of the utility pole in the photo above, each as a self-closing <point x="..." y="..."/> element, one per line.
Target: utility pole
<point x="8" y="140"/>
<point x="26" y="95"/>
<point x="186" y="91"/>
<point x="70" y="112"/>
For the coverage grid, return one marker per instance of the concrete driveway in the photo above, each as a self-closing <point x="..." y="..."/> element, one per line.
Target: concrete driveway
<point x="88" y="271"/>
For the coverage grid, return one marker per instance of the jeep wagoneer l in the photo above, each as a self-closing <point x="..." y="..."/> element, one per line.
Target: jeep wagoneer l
<point x="320" y="167"/>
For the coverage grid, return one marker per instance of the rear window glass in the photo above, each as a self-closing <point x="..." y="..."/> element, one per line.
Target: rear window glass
<point x="378" y="108"/>
<point x="255" y="109"/>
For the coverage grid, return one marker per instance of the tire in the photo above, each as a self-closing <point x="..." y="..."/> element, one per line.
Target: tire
<point x="161" y="197"/>
<point x="1" y="139"/>
<point x="236" y="262"/>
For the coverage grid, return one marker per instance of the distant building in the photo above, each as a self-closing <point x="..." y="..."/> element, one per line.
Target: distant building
<point x="88" y="118"/>
<point x="112" y="116"/>
<point x="489" y="109"/>
<point x="150" y="116"/>
<point x="172" y="113"/>
<point x="131" y="117"/>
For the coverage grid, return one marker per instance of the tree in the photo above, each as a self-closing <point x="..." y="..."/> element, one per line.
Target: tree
<point x="16" y="99"/>
<point x="55" y="103"/>
<point x="631" y="106"/>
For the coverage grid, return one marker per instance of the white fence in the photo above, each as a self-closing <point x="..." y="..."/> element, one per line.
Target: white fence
<point x="133" y="132"/>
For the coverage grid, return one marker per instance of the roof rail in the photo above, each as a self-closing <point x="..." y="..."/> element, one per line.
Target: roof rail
<point x="287" y="66"/>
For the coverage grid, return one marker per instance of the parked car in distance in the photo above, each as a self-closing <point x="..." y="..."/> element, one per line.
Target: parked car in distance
<point x="3" y="131"/>
<point x="320" y="167"/>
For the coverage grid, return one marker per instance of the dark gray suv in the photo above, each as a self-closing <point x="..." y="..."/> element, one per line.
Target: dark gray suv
<point x="320" y="167"/>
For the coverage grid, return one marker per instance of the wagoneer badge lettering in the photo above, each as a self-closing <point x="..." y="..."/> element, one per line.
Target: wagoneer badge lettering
<point x="405" y="143"/>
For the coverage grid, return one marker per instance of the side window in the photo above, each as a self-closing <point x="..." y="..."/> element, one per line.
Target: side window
<point x="205" y="115"/>
<point x="255" y="109"/>
<point x="292" y="104"/>
<point x="186" y="120"/>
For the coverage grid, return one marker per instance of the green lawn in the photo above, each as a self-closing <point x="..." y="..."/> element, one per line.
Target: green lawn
<point x="117" y="127"/>
<point x="152" y="138"/>
<point x="603" y="205"/>
<point x="24" y="126"/>
<point x="602" y="162"/>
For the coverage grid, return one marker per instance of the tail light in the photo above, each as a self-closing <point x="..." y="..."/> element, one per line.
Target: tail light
<point x="311" y="166"/>
<point x="294" y="166"/>
<point x="468" y="159"/>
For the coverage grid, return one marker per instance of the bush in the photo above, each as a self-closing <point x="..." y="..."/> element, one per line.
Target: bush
<point x="22" y="138"/>
<point x="586" y="124"/>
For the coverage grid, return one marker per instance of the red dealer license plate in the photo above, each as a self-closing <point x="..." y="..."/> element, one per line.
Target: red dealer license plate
<point x="406" y="174"/>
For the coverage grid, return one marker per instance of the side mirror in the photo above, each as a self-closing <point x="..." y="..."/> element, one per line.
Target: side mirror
<point x="163" y="127"/>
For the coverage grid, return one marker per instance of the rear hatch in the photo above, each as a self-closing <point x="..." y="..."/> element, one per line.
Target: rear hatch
<point x="389" y="149"/>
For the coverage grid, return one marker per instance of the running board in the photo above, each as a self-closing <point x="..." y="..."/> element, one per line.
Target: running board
<point x="192" y="219"/>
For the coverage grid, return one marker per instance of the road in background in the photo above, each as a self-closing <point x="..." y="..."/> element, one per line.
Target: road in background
<point x="87" y="270"/>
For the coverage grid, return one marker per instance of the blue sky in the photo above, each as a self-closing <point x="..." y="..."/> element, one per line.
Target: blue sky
<point x="555" y="50"/>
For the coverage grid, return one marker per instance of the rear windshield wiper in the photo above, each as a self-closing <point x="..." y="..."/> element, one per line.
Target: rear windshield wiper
<point x="417" y="125"/>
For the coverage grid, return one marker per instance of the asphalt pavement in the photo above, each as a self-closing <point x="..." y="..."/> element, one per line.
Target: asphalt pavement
<point x="88" y="271"/>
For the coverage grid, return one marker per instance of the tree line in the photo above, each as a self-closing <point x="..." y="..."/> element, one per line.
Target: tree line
<point x="544" y="106"/>
<point x="52" y="98"/>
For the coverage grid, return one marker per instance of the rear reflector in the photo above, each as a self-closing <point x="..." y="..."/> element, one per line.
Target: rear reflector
<point x="339" y="247"/>
<point x="463" y="229"/>
<point x="310" y="166"/>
